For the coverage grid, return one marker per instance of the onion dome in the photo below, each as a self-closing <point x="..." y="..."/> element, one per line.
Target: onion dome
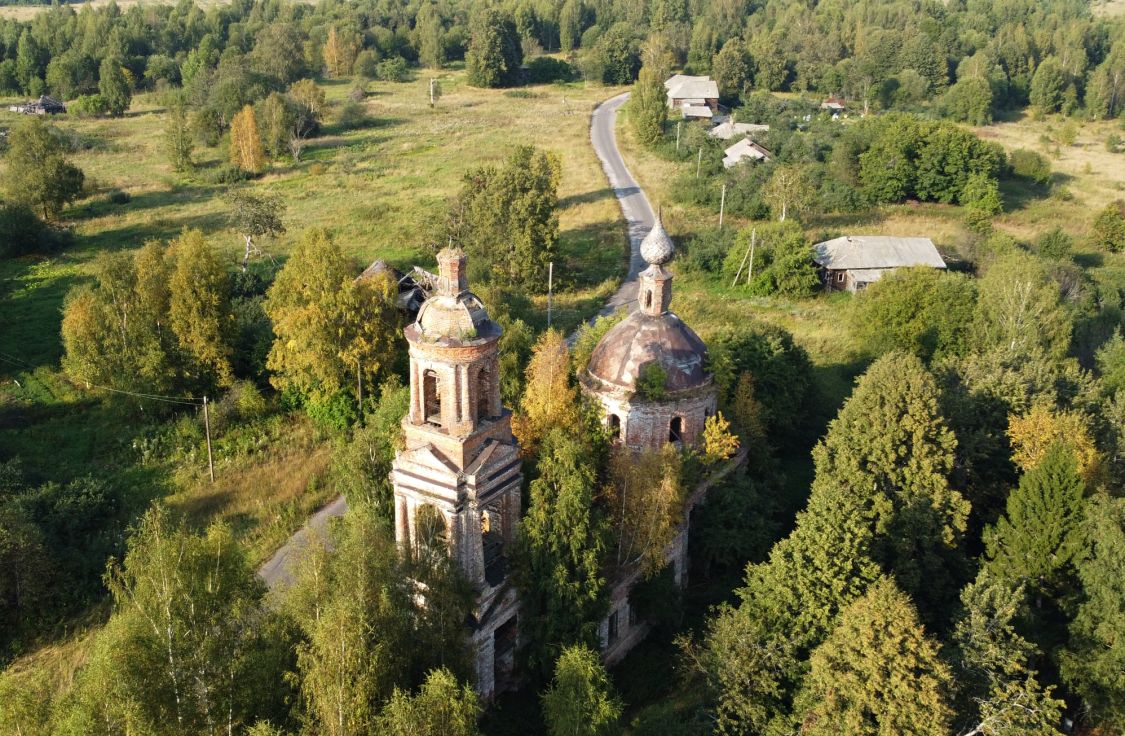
<point x="657" y="247"/>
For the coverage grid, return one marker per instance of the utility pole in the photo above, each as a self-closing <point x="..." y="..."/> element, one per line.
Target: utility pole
<point x="722" y="205"/>
<point x="359" y="383"/>
<point x="550" y="287"/>
<point x="207" y="428"/>
<point x="748" y="254"/>
<point x="750" y="271"/>
<point x="431" y="91"/>
<point x="678" y="124"/>
<point x="698" y="162"/>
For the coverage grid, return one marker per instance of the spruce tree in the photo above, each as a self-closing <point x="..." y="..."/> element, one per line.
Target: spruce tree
<point x="992" y="662"/>
<point x="561" y="544"/>
<point x="877" y="674"/>
<point x="1094" y="661"/>
<point x="1038" y="539"/>
<point x="890" y="449"/>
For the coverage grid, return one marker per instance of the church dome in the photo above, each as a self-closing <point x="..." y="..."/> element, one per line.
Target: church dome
<point x="657" y="247"/>
<point x="642" y="339"/>
<point x="461" y="317"/>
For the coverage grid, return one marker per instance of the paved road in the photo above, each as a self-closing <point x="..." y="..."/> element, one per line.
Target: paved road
<point x="634" y="204"/>
<point x="279" y="571"/>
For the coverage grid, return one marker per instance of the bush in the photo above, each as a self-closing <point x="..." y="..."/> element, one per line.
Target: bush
<point x="87" y="106"/>
<point x="707" y="250"/>
<point x="1109" y="227"/>
<point x="1030" y="165"/>
<point x="227" y="174"/>
<point x="1054" y="244"/>
<point x="119" y="196"/>
<point x="22" y="232"/>
<point x="392" y="70"/>
<point x="335" y="413"/>
<point x="545" y="69"/>
<point x="352" y="115"/>
<point x="782" y="263"/>
<point x="367" y="64"/>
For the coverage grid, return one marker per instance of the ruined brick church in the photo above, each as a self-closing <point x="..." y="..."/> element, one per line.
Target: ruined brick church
<point x="458" y="478"/>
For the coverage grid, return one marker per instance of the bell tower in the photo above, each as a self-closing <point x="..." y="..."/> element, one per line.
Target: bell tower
<point x="457" y="481"/>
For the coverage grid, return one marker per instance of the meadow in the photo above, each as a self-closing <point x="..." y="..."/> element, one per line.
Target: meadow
<point x="382" y="190"/>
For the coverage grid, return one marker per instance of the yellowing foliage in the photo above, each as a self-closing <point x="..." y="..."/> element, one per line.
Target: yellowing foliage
<point x="246" y="150"/>
<point x="719" y="443"/>
<point x="1033" y="434"/>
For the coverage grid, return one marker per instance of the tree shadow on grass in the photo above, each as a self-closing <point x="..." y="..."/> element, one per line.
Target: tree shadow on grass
<point x="30" y="316"/>
<point x="1019" y="193"/>
<point x="102" y="206"/>
<point x="586" y="197"/>
<point x="591" y="254"/>
<point x="163" y="229"/>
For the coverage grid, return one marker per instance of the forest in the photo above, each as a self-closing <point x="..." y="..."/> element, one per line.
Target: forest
<point x="927" y="535"/>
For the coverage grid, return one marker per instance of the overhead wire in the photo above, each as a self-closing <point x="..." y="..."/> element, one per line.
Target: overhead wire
<point x="183" y="400"/>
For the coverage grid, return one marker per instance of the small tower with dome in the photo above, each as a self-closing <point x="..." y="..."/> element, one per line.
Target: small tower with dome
<point x="649" y="372"/>
<point x="457" y="481"/>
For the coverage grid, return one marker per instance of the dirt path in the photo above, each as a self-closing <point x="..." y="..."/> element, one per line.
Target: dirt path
<point x="279" y="570"/>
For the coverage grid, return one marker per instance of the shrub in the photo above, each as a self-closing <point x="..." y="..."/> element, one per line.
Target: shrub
<point x="367" y="64"/>
<point x="392" y="70"/>
<point x="1054" y="244"/>
<point x="22" y="232"/>
<point x="651" y="382"/>
<point x="352" y="115"/>
<point x="119" y="196"/>
<point x="546" y="69"/>
<point x="707" y="250"/>
<point x="1030" y="165"/>
<point x="227" y="174"/>
<point x="1109" y="227"/>
<point x="335" y="413"/>
<point x="87" y="106"/>
<point x="1112" y="142"/>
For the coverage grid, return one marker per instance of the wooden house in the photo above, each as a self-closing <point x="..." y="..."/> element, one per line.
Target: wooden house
<point x="853" y="263"/>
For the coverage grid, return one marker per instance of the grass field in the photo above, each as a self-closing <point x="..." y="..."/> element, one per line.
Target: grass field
<point x="382" y="190"/>
<point x="27" y="12"/>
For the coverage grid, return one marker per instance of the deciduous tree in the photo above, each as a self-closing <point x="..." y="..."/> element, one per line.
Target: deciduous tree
<point x="199" y="310"/>
<point x="442" y="707"/>
<point x="246" y="150"/>
<point x="648" y="107"/>
<point x="580" y="700"/>
<point x="39" y="175"/>
<point x="549" y="400"/>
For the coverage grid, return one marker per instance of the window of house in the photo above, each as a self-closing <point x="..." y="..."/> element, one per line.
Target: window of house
<point x="676" y="429"/>
<point x="840" y="277"/>
<point x="611" y="637"/>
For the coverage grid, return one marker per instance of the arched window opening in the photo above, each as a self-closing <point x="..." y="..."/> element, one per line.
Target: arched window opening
<point x="648" y="300"/>
<point x="614" y="427"/>
<point x="484" y="391"/>
<point x="676" y="429"/>
<point x="430" y="531"/>
<point x="431" y="397"/>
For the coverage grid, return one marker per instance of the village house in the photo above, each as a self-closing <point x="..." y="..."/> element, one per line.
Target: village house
<point x="834" y="105"/>
<point x="854" y="262"/>
<point x="43" y="106"/>
<point x="744" y="150"/>
<point x="695" y="97"/>
<point x="729" y="129"/>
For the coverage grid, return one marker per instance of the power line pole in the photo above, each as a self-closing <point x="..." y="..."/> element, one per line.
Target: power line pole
<point x="550" y="289"/>
<point x="207" y="427"/>
<point x="722" y="206"/>
<point x="698" y="162"/>
<point x="753" y="241"/>
<point x="678" y="124"/>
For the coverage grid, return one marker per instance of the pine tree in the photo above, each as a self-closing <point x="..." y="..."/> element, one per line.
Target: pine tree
<point x="580" y="701"/>
<point x="114" y="86"/>
<point x="1038" y="539"/>
<point x="246" y="150"/>
<point x="877" y="674"/>
<point x="562" y="541"/>
<point x="648" y="107"/>
<point x="753" y="654"/>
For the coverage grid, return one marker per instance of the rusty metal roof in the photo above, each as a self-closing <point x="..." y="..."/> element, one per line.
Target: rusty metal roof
<point x="641" y="339"/>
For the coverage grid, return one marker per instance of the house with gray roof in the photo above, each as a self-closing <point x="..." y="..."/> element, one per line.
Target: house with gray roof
<point x="690" y="94"/>
<point x="853" y="262"/>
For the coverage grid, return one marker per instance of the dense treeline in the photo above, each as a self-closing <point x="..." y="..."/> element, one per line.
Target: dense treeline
<point x="970" y="58"/>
